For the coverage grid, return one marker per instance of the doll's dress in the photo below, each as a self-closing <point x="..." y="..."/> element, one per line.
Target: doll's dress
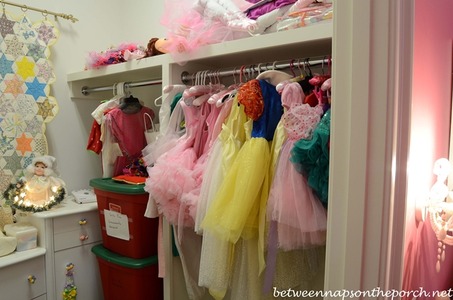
<point x="171" y="174"/>
<point x="39" y="188"/>
<point x="215" y="262"/>
<point x="300" y="216"/>
<point x="311" y="158"/>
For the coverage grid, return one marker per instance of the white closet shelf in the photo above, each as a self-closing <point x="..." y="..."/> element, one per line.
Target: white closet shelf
<point x="297" y="43"/>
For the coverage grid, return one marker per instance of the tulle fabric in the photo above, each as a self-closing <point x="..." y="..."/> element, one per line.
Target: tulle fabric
<point x="311" y="157"/>
<point x="192" y="24"/>
<point x="211" y="177"/>
<point x="301" y="220"/>
<point x="234" y="212"/>
<point x="153" y="151"/>
<point x="216" y="254"/>
<point x="171" y="175"/>
<point x="167" y="139"/>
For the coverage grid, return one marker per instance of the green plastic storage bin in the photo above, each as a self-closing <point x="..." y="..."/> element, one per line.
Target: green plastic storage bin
<point x="110" y="185"/>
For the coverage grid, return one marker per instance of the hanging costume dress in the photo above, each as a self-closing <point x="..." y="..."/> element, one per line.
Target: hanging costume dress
<point x="236" y="214"/>
<point x="215" y="262"/>
<point x="311" y="158"/>
<point x="128" y="131"/>
<point x="300" y="217"/>
<point x="306" y="264"/>
<point x="171" y="175"/>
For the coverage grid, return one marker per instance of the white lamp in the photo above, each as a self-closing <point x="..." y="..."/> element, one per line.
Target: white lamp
<point x="440" y="209"/>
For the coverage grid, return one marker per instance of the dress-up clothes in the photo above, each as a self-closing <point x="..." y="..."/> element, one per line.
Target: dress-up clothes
<point x="311" y="158"/>
<point x="127" y="131"/>
<point x="215" y="262"/>
<point x="238" y="210"/>
<point x="300" y="217"/>
<point x="171" y="176"/>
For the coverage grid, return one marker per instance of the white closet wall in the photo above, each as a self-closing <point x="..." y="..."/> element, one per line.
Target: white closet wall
<point x="101" y="24"/>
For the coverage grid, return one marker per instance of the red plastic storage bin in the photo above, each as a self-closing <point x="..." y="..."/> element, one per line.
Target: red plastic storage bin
<point x="127" y="278"/>
<point x="136" y="235"/>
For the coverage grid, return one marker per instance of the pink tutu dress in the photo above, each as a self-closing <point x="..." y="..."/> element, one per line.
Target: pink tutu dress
<point x="300" y="217"/>
<point x="171" y="176"/>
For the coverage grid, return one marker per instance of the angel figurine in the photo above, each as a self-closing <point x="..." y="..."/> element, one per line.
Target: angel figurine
<point x="39" y="189"/>
<point x="42" y="182"/>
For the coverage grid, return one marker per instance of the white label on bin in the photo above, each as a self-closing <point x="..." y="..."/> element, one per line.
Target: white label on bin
<point x="116" y="225"/>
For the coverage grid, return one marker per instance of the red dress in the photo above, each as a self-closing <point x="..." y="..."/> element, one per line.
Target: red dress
<point x="128" y="131"/>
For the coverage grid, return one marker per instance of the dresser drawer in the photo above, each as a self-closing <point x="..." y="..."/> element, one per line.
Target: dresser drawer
<point x="24" y="280"/>
<point x="76" y="230"/>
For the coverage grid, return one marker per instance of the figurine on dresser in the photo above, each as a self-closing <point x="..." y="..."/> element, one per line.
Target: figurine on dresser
<point x="39" y="189"/>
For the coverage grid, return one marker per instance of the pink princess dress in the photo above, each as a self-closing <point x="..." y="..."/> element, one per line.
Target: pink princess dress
<point x="299" y="216"/>
<point x="171" y="175"/>
<point x="126" y="129"/>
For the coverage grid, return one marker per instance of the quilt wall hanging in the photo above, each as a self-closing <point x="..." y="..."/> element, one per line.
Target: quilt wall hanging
<point x="26" y="106"/>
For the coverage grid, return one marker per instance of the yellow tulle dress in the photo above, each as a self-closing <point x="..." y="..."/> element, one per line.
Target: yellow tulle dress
<point x="216" y="254"/>
<point x="236" y="214"/>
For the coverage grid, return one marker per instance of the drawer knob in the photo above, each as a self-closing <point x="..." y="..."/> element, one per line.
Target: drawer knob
<point x="83" y="221"/>
<point x="31" y="279"/>
<point x="84" y="237"/>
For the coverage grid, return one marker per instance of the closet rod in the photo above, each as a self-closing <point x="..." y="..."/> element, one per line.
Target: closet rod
<point x="43" y="11"/>
<point x="87" y="90"/>
<point x="187" y="78"/>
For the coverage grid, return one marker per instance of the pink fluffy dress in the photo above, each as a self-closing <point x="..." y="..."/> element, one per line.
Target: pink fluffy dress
<point x="300" y="217"/>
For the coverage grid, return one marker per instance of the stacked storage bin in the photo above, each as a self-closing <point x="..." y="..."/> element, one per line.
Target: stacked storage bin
<point x="128" y="255"/>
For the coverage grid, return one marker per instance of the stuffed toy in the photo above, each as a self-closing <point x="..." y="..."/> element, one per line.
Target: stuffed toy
<point x="156" y="46"/>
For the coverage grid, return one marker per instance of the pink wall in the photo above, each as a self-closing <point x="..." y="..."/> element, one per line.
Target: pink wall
<point x="430" y="129"/>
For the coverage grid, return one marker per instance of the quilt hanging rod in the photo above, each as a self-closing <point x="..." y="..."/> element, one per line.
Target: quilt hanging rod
<point x="187" y="78"/>
<point x="127" y="85"/>
<point x="43" y="11"/>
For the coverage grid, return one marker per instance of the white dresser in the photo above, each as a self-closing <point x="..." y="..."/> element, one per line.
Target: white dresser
<point x="22" y="275"/>
<point x="68" y="233"/>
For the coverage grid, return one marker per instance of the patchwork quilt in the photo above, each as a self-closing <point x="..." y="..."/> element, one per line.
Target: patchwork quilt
<point x="26" y="74"/>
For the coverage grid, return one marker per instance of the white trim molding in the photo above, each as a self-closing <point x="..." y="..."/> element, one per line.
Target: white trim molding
<point x="371" y="101"/>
